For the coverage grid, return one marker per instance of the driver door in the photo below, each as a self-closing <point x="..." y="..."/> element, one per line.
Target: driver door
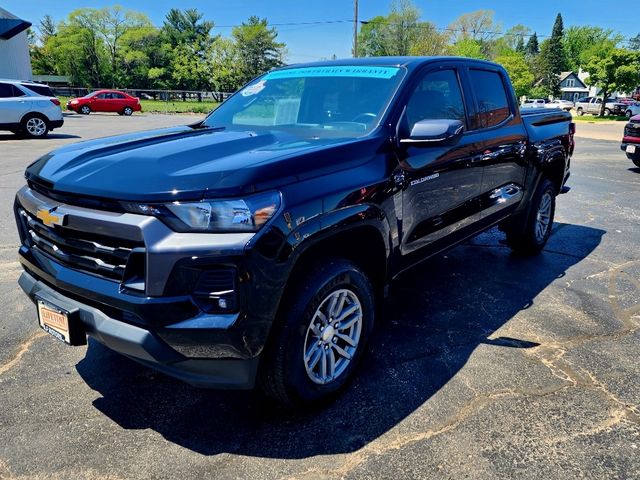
<point x="441" y="182"/>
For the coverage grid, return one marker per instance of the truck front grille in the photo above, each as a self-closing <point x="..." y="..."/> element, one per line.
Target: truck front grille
<point x="96" y="254"/>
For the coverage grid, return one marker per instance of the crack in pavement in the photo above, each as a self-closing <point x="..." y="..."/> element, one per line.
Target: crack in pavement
<point x="549" y="355"/>
<point x="24" y="348"/>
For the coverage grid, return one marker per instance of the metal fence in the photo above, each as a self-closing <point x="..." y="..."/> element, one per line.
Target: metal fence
<point x="148" y="94"/>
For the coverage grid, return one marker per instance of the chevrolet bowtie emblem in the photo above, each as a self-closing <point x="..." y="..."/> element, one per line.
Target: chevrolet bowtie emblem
<point x="50" y="218"/>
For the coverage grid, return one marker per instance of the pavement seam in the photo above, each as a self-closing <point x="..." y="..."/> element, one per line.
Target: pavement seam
<point x="24" y="348"/>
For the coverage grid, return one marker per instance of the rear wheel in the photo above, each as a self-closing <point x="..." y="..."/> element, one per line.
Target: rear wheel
<point x="529" y="235"/>
<point x="636" y="161"/>
<point x="320" y="337"/>
<point x="127" y="111"/>
<point x="580" y="112"/>
<point x="85" y="110"/>
<point x="34" y="126"/>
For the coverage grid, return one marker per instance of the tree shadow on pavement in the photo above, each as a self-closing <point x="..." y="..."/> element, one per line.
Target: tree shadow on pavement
<point x="429" y="326"/>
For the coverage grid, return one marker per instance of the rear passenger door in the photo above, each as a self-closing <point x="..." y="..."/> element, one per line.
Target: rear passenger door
<point x="500" y="139"/>
<point x="14" y="103"/>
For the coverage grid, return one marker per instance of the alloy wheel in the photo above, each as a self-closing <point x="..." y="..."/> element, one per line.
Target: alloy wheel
<point x="332" y="336"/>
<point x="543" y="218"/>
<point x="36" y="127"/>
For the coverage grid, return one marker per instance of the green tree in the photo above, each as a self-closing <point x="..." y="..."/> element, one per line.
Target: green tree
<point x="478" y="25"/>
<point x="515" y="37"/>
<point x="553" y="48"/>
<point x="257" y="48"/>
<point x="42" y="59"/>
<point x="468" y="47"/>
<point x="393" y="34"/>
<point x="583" y="42"/>
<point x="618" y="71"/>
<point x="79" y="51"/>
<point x="532" y="49"/>
<point x="112" y="24"/>
<point x="519" y="72"/>
<point x="188" y="41"/>
<point x="520" y="48"/>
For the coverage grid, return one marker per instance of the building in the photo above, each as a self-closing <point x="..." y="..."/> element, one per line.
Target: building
<point x="572" y="87"/>
<point x="14" y="47"/>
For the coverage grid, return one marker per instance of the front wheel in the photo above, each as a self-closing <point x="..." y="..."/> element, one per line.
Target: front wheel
<point x="607" y="112"/>
<point x="635" y="160"/>
<point x="321" y="335"/>
<point x="628" y="114"/>
<point x="580" y="112"/>
<point x="529" y="235"/>
<point x="85" y="110"/>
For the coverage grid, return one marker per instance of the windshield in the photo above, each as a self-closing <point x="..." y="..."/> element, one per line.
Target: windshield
<point x="313" y="102"/>
<point x="92" y="94"/>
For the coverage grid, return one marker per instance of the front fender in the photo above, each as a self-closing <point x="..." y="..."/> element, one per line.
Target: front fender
<point x="333" y="223"/>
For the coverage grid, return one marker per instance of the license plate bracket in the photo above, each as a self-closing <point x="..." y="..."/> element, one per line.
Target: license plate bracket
<point x="61" y="323"/>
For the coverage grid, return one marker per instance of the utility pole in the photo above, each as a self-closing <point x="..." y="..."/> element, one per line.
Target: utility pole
<point x="355" y="28"/>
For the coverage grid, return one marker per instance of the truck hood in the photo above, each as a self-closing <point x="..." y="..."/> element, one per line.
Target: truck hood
<point x="187" y="163"/>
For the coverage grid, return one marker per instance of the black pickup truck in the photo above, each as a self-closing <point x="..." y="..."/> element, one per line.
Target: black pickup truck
<point x="251" y="247"/>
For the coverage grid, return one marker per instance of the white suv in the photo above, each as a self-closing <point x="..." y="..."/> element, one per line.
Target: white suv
<point x="28" y="108"/>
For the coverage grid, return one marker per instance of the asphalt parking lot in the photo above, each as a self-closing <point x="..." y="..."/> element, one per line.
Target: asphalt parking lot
<point x="485" y="365"/>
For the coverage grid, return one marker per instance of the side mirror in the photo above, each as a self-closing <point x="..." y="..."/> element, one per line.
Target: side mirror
<point x="427" y="133"/>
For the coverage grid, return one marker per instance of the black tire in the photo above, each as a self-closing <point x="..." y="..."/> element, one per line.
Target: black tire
<point x="127" y="111"/>
<point x="34" y="126"/>
<point x="628" y="114"/>
<point x="283" y="374"/>
<point x="607" y="112"/>
<point x="523" y="235"/>
<point x="636" y="162"/>
<point x="84" y="110"/>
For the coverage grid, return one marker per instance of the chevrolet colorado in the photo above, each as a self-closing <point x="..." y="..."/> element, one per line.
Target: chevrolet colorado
<point x="251" y="247"/>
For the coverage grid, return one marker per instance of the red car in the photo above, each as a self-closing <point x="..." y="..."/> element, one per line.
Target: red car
<point x="631" y="140"/>
<point x="105" y="101"/>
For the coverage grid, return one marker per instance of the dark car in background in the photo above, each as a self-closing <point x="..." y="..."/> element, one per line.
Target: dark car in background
<point x="105" y="101"/>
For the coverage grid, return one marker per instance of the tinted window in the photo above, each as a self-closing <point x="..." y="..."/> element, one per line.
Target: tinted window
<point x="117" y="95"/>
<point x="493" y="104"/>
<point x="6" y="90"/>
<point x="103" y="96"/>
<point x="437" y="96"/>
<point x="17" y="92"/>
<point x="39" y="89"/>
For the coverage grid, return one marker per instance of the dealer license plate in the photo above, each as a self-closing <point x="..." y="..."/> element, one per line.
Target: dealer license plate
<point x="631" y="149"/>
<point x="54" y="321"/>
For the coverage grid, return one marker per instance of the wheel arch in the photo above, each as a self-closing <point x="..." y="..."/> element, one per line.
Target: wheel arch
<point x="359" y="234"/>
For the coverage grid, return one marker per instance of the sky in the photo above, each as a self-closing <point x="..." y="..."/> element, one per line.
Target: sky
<point x="322" y="40"/>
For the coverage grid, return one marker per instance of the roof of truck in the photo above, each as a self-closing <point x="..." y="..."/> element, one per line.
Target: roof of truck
<point x="408" y="62"/>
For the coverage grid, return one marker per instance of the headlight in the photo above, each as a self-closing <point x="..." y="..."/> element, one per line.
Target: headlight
<point x="247" y="214"/>
<point x="73" y="102"/>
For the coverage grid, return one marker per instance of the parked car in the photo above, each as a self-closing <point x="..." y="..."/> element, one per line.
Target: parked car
<point x="631" y="140"/>
<point x="252" y="246"/>
<point x="533" y="103"/>
<point x="28" y="109"/>
<point x="105" y="101"/>
<point x="626" y="100"/>
<point x="593" y="105"/>
<point x="559" y="103"/>
<point x="632" y="110"/>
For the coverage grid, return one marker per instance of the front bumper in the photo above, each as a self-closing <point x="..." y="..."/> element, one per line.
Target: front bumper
<point x="147" y="347"/>
<point x="160" y="318"/>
